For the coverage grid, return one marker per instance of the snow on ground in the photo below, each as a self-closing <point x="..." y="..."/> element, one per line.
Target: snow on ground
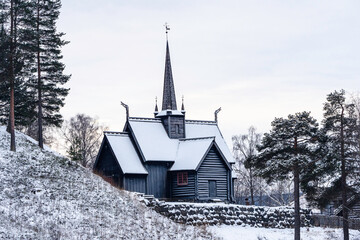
<point x="46" y="196"/>
<point x="251" y="233"/>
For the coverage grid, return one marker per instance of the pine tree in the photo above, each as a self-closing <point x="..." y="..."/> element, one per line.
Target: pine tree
<point x="33" y="71"/>
<point x="15" y="64"/>
<point x="50" y="77"/>
<point x="288" y="149"/>
<point x="340" y="126"/>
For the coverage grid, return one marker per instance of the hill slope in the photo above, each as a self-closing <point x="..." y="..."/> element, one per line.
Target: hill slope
<point x="46" y="196"/>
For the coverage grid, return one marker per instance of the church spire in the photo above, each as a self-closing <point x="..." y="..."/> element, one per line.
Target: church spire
<point x="169" y="100"/>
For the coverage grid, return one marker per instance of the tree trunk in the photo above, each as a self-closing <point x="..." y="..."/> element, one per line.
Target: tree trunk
<point x="251" y="186"/>
<point x="12" y="78"/>
<point x="343" y="180"/>
<point x="297" y="203"/>
<point x="40" y="117"/>
<point x="296" y="198"/>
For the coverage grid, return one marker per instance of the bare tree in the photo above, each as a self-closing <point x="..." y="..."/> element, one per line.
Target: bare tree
<point x="82" y="136"/>
<point x="244" y="147"/>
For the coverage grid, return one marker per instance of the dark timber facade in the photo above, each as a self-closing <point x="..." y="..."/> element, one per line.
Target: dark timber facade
<point x="168" y="156"/>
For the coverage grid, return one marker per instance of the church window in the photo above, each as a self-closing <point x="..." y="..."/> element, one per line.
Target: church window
<point x="177" y="128"/>
<point x="182" y="178"/>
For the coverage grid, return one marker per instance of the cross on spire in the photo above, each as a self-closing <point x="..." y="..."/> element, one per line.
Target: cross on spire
<point x="167" y="29"/>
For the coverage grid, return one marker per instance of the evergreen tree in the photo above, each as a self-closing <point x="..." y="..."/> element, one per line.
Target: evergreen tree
<point x="15" y="64"/>
<point x="288" y="150"/>
<point x="50" y="77"/>
<point x="31" y="70"/>
<point x="340" y="127"/>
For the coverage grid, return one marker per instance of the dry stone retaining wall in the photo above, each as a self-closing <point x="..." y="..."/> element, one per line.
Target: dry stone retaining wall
<point x="229" y="214"/>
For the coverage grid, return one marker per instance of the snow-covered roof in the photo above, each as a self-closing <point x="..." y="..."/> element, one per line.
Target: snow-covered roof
<point x="155" y="144"/>
<point x="153" y="140"/>
<point x="190" y="152"/>
<point x="125" y="153"/>
<point x="197" y="129"/>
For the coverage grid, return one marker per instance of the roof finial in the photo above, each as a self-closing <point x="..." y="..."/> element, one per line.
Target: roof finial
<point x="127" y="110"/>
<point x="216" y="113"/>
<point x="167" y="28"/>
<point x="182" y="104"/>
<point x="156" y="106"/>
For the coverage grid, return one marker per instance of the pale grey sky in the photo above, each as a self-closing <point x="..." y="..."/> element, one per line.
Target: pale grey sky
<point x="256" y="59"/>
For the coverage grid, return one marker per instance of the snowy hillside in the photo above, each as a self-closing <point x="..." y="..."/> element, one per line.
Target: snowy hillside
<point x="45" y="196"/>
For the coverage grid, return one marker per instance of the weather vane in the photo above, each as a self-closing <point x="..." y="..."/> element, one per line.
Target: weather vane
<point x="167" y="28"/>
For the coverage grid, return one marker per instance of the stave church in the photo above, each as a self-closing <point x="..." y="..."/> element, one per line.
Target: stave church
<point x="168" y="156"/>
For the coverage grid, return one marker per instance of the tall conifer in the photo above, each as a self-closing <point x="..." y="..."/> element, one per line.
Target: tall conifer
<point x="15" y="63"/>
<point x="288" y="149"/>
<point x="49" y="68"/>
<point x="340" y="127"/>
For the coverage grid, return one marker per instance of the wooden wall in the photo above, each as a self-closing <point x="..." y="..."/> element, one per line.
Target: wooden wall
<point x="183" y="191"/>
<point x="108" y="166"/>
<point x="174" y="126"/>
<point x="213" y="168"/>
<point x="135" y="183"/>
<point x="157" y="179"/>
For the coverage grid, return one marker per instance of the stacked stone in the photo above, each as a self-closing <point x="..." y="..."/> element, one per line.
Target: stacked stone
<point x="230" y="214"/>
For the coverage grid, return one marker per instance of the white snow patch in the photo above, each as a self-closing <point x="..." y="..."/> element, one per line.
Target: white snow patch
<point x="251" y="233"/>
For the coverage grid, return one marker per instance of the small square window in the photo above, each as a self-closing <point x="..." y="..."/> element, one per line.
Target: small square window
<point x="182" y="178"/>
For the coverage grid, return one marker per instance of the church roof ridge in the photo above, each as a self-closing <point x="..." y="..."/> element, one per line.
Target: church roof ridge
<point x="196" y="138"/>
<point x="206" y="122"/>
<point x="115" y="133"/>
<point x="144" y="119"/>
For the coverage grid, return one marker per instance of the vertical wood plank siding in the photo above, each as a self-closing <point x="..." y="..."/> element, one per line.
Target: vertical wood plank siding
<point x="108" y="166"/>
<point x="170" y="123"/>
<point x="135" y="183"/>
<point x="183" y="191"/>
<point x="213" y="168"/>
<point x="157" y="179"/>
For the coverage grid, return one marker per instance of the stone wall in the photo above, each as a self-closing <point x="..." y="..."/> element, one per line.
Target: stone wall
<point x="229" y="214"/>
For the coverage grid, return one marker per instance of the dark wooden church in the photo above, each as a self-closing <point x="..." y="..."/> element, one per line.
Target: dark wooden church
<point x="168" y="156"/>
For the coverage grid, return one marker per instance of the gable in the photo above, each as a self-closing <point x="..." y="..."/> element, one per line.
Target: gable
<point x="190" y="153"/>
<point x="125" y="153"/>
<point x="106" y="161"/>
<point x="198" y="129"/>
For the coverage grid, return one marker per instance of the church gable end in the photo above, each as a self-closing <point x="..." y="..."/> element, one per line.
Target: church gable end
<point x="213" y="177"/>
<point x="107" y="165"/>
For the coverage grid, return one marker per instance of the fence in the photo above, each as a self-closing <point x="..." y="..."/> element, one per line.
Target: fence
<point x="334" y="221"/>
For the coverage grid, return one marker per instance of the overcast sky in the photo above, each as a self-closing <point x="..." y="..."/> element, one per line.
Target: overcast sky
<point x="256" y="59"/>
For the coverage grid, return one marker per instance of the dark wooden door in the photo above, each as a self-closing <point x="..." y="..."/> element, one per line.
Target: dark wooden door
<point x="212" y="188"/>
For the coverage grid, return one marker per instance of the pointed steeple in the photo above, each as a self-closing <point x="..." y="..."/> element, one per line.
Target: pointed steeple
<point x="169" y="99"/>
